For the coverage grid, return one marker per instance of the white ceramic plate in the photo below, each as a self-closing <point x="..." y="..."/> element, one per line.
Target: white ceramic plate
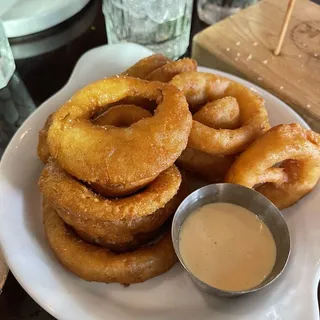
<point x="30" y="16"/>
<point x="170" y="296"/>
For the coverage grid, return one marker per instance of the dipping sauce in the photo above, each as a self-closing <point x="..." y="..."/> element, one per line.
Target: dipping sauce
<point x="227" y="246"/>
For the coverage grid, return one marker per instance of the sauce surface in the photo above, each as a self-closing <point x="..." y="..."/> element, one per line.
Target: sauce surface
<point x="227" y="246"/>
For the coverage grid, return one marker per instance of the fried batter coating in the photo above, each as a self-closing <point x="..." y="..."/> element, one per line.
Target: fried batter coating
<point x="119" y="156"/>
<point x="115" y="220"/>
<point x="93" y="263"/>
<point x="283" y="164"/>
<point x="200" y="88"/>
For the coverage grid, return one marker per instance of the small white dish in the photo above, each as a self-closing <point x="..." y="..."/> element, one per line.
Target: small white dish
<point x="172" y="295"/>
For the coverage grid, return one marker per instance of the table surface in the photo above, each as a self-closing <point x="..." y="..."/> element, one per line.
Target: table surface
<point x="53" y="54"/>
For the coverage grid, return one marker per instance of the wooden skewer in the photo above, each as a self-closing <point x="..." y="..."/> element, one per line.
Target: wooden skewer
<point x="284" y="26"/>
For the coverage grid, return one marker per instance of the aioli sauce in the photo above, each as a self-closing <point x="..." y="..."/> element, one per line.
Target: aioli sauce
<point x="227" y="246"/>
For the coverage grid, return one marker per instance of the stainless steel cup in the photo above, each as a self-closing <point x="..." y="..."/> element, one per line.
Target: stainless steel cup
<point x="249" y="199"/>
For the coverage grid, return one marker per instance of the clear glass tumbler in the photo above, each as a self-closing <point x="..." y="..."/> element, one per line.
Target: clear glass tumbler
<point x="161" y="25"/>
<point x="7" y="65"/>
<point x="212" y="11"/>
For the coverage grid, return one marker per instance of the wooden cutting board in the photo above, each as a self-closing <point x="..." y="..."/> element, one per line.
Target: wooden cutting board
<point x="243" y="45"/>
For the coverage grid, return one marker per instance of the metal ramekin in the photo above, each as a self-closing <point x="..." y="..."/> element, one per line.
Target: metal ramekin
<point x="247" y="198"/>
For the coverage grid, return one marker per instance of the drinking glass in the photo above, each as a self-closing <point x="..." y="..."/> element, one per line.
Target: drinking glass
<point x="7" y="65"/>
<point x="212" y="11"/>
<point x="15" y="106"/>
<point x="161" y="25"/>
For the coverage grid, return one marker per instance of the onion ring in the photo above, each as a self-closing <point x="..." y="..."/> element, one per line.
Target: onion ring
<point x="208" y="167"/>
<point x="139" y="240"/>
<point x="161" y="216"/>
<point x="119" y="116"/>
<point x="171" y="69"/>
<point x="112" y="221"/>
<point x="222" y="113"/>
<point x="199" y="88"/>
<point x="219" y="114"/>
<point x="145" y="66"/>
<point x="93" y="263"/>
<point x="122" y="116"/>
<point x="298" y="152"/>
<point x="119" y="156"/>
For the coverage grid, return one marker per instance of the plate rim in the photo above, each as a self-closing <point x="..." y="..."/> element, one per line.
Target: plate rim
<point x="22" y="128"/>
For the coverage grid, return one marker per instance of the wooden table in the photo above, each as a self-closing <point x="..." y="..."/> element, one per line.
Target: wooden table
<point x="43" y="75"/>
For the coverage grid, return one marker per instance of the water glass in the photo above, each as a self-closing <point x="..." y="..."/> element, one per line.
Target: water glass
<point x="161" y="25"/>
<point x="212" y="11"/>
<point x="7" y="65"/>
<point x="15" y="106"/>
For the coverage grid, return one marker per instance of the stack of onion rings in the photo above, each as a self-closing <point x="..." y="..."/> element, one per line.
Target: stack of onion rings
<point x="283" y="164"/>
<point x="110" y="222"/>
<point x="110" y="185"/>
<point x="115" y="231"/>
<point x="76" y="209"/>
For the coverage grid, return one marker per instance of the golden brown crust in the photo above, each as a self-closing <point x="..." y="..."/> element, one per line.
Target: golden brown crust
<point x="121" y="190"/>
<point x="93" y="263"/>
<point x="121" y="115"/>
<point x="222" y="113"/>
<point x="298" y="152"/>
<point x="116" y="156"/>
<point x="145" y="66"/>
<point x="171" y="69"/>
<point x="135" y="238"/>
<point x="139" y="240"/>
<point x="212" y="168"/>
<point x="199" y="88"/>
<point x="159" y="68"/>
<point x="116" y="220"/>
